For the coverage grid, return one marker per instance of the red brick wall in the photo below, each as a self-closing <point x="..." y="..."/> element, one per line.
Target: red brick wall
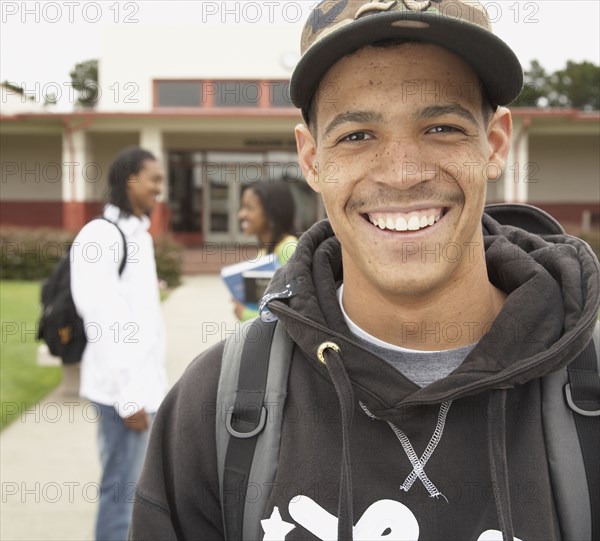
<point x="70" y="215"/>
<point x="32" y="213"/>
<point x="570" y="214"/>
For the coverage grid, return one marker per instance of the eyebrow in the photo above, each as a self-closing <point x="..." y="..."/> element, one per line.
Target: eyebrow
<point x="435" y="111"/>
<point x="353" y="116"/>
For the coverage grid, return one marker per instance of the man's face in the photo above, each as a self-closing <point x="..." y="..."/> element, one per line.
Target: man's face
<point x="400" y="156"/>
<point x="144" y="188"/>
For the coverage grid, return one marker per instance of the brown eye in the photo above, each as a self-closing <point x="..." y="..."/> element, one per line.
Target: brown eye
<point x="357" y="136"/>
<point x="444" y="129"/>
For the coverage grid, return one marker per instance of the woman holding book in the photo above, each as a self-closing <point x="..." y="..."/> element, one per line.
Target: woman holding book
<point x="268" y="212"/>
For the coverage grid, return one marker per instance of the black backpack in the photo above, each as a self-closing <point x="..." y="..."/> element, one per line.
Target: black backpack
<point x="60" y="326"/>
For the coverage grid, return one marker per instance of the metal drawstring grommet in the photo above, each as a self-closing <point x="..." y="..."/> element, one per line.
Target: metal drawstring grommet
<point x="323" y="347"/>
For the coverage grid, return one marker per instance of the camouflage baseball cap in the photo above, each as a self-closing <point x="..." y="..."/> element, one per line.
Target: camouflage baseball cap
<point x="338" y="27"/>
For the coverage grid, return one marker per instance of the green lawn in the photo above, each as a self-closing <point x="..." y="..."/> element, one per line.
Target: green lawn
<point x="22" y="381"/>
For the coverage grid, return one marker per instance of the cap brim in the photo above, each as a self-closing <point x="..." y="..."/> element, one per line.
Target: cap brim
<point x="491" y="58"/>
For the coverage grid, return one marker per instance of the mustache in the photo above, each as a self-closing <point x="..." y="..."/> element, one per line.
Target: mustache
<point x="388" y="196"/>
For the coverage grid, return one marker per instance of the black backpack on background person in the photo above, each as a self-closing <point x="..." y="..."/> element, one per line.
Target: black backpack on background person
<point x="60" y="326"/>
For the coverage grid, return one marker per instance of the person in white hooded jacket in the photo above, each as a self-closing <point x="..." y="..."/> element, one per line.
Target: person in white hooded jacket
<point x="123" y="365"/>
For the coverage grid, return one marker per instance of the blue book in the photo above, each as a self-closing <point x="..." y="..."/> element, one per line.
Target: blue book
<point x="233" y="275"/>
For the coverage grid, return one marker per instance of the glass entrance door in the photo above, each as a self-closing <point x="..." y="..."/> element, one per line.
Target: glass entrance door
<point x="185" y="191"/>
<point x="205" y="192"/>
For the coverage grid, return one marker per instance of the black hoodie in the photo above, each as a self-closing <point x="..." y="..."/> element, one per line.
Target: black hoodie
<point x="463" y="458"/>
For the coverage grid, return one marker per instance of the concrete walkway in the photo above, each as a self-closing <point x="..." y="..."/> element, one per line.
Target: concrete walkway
<point x="48" y="459"/>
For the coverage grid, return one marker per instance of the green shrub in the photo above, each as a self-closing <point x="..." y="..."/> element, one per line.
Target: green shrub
<point x="169" y="256"/>
<point x="593" y="239"/>
<point x="31" y="254"/>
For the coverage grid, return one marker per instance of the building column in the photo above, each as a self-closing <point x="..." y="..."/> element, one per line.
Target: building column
<point x="524" y="169"/>
<point x="509" y="169"/>
<point x="518" y="169"/>
<point x="151" y="139"/>
<point x="75" y="168"/>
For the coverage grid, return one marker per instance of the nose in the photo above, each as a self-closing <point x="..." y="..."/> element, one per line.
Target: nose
<point x="403" y="164"/>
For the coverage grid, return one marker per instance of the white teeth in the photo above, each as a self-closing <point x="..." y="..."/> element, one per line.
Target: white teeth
<point x="414" y="223"/>
<point x="401" y="224"/>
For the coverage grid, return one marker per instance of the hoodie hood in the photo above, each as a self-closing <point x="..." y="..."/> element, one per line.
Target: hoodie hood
<point x="553" y="285"/>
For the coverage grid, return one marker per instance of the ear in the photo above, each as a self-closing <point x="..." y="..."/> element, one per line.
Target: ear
<point x="499" y="136"/>
<point x="307" y="155"/>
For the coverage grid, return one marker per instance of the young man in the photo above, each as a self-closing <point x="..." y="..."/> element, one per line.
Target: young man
<point x="421" y="326"/>
<point x="123" y="366"/>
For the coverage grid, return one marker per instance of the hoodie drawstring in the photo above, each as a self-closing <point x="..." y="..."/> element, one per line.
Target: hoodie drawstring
<point x="498" y="461"/>
<point x="418" y="464"/>
<point x="496" y="445"/>
<point x="343" y="389"/>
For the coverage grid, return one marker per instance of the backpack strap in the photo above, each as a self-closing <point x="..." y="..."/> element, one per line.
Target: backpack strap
<point x="124" y="261"/>
<point x="250" y="402"/>
<point x="582" y="394"/>
<point x="567" y="450"/>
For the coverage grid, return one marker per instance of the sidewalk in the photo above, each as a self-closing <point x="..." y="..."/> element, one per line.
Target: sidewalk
<point x="48" y="459"/>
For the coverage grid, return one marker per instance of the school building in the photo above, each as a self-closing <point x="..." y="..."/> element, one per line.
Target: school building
<point x="211" y="101"/>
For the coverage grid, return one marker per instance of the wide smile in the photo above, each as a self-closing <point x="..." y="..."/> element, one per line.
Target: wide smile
<point x="405" y="222"/>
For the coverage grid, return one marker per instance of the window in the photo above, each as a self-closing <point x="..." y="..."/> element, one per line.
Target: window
<point x="179" y="93"/>
<point x="237" y="93"/>
<point x="223" y="94"/>
<point x="279" y="94"/>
